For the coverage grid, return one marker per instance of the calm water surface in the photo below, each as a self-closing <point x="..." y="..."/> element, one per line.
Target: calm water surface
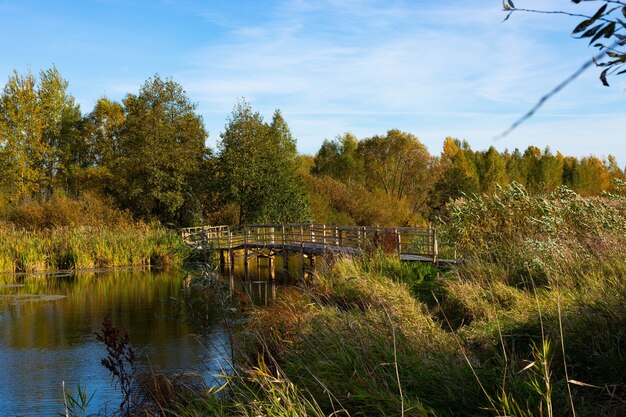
<point x="47" y="327"/>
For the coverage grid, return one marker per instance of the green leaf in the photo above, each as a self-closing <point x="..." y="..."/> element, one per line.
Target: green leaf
<point x="592" y="31"/>
<point x="607" y="32"/>
<point x="603" y="77"/>
<point x="582" y="26"/>
<point x="599" y="13"/>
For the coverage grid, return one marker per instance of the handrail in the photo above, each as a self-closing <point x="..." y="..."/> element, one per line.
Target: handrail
<point x="403" y="240"/>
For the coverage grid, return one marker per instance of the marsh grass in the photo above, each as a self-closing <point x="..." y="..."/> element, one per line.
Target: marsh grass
<point x="85" y="233"/>
<point x="532" y="324"/>
<point x="88" y="247"/>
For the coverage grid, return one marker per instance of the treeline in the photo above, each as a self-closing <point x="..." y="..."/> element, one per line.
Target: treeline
<point x="147" y="154"/>
<point x="402" y="183"/>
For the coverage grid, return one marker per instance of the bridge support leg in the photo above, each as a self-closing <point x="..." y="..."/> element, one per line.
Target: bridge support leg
<point x="245" y="261"/>
<point x="222" y="260"/>
<point x="272" y="267"/>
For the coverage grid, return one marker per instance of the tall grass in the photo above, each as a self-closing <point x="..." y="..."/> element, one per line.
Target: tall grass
<point x="88" y="247"/>
<point x="87" y="233"/>
<point x="531" y="324"/>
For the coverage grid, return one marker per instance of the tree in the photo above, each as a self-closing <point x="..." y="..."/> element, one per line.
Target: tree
<point x="457" y="178"/>
<point x="492" y="171"/>
<point x="339" y="159"/>
<point x="39" y="134"/>
<point x="102" y="132"/>
<point x="289" y="202"/>
<point x="161" y="149"/>
<point x="551" y="168"/>
<point x="61" y="123"/>
<point x="21" y="147"/>
<point x="398" y="164"/>
<point x="259" y="168"/>
<point x="514" y="168"/>
<point x="531" y="166"/>
<point x="594" y="177"/>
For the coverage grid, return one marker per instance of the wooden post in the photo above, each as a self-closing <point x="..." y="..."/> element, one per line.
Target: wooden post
<point x="285" y="258"/>
<point x="231" y="251"/>
<point x="324" y="238"/>
<point x="204" y="245"/>
<point x="302" y="248"/>
<point x="398" y="241"/>
<point x="222" y="260"/>
<point x="245" y="251"/>
<point x="435" y="247"/>
<point x="272" y="267"/>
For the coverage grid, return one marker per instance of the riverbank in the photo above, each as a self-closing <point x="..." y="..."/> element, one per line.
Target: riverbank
<point x="88" y="247"/>
<point x="531" y="324"/>
<point x="65" y="233"/>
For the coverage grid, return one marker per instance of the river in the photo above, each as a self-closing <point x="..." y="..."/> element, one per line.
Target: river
<point x="48" y="325"/>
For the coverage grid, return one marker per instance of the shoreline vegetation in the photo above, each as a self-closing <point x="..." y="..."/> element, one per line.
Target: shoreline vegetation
<point x="531" y="324"/>
<point x="87" y="233"/>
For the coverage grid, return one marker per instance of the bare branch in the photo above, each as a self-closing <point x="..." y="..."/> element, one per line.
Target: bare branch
<point x="554" y="91"/>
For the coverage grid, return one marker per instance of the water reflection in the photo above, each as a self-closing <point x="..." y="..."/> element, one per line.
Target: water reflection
<point x="47" y="327"/>
<point x="47" y="340"/>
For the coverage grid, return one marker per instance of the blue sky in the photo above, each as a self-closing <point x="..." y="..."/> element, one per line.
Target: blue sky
<point x="432" y="68"/>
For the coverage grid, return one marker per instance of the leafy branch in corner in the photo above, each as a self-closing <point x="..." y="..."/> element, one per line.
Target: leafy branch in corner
<point x="604" y="29"/>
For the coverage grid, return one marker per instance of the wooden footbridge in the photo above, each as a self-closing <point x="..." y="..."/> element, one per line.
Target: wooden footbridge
<point x="412" y="244"/>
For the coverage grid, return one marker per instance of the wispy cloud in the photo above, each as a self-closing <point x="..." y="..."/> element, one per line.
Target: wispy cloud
<point x="430" y="67"/>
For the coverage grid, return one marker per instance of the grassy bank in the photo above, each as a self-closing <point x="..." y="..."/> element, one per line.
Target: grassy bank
<point x="65" y="233"/>
<point x="88" y="247"/>
<point x="532" y="324"/>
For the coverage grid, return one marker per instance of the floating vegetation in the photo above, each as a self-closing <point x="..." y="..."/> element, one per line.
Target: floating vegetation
<point x="30" y="298"/>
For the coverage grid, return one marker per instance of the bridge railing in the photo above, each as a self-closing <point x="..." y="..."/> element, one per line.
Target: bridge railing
<point x="403" y="240"/>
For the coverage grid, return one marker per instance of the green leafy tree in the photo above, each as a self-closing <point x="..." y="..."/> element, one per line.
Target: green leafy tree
<point x="102" y="132"/>
<point x="531" y="166"/>
<point x="492" y="171"/>
<point x="22" y="149"/>
<point x="161" y="151"/>
<point x="339" y="159"/>
<point x="398" y="164"/>
<point x="259" y="168"/>
<point x="515" y="168"/>
<point x="39" y="134"/>
<point x="61" y="122"/>
<point x="551" y="168"/>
